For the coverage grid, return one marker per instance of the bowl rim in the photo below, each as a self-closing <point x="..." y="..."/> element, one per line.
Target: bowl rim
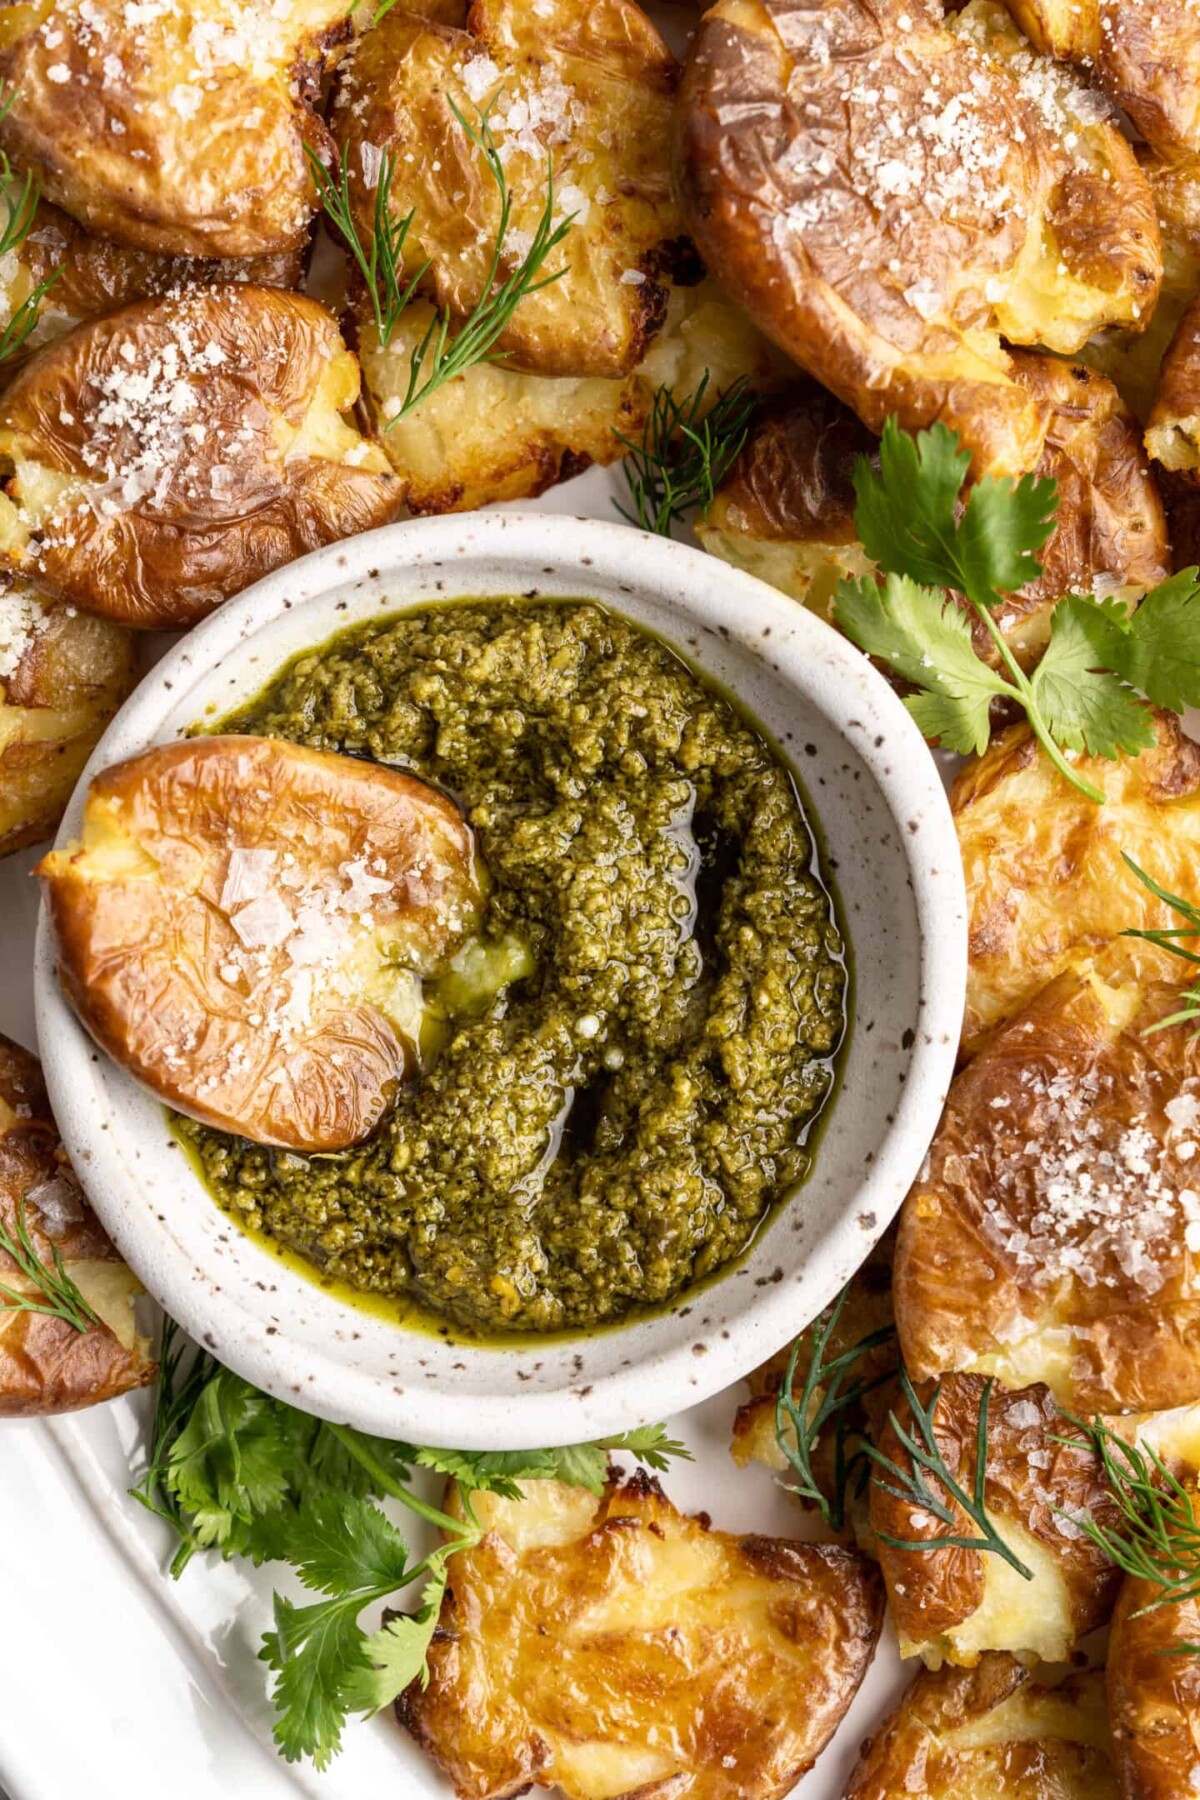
<point x="909" y="783"/>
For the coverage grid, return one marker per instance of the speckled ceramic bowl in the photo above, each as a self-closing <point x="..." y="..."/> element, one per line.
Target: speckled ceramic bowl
<point x="890" y="841"/>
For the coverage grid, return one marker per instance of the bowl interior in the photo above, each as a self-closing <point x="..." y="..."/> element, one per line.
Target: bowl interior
<point x="889" y="845"/>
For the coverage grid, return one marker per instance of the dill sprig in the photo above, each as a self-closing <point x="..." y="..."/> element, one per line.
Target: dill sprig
<point x="913" y="1485"/>
<point x="801" y="1418"/>
<point x="21" y="196"/>
<point x="382" y="265"/>
<point x="1159" y="1540"/>
<point x="1168" y="939"/>
<point x="684" y="453"/>
<point x="55" y="1294"/>
<point x="442" y="352"/>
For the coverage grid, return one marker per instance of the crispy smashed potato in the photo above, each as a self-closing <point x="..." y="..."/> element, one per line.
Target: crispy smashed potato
<point x="1043" y="864"/>
<point x="953" y="1604"/>
<point x="170" y="453"/>
<point x="785" y="512"/>
<point x="889" y="244"/>
<point x="175" y="128"/>
<point x="1053" y="1233"/>
<point x="1154" y="1694"/>
<point x="588" y="85"/>
<point x="613" y="1646"/>
<point x="1145" y="54"/>
<point x="63" y="675"/>
<point x="245" y="925"/>
<point x="47" y="1365"/>
<point x="95" y="274"/>
<point x="497" y="434"/>
<point x="991" y="1733"/>
<point x="1173" y="428"/>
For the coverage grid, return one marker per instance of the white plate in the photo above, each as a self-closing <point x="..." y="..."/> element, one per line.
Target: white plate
<point x="115" y="1681"/>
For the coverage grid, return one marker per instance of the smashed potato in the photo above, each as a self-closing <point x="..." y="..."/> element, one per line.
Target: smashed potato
<point x="94" y="274"/>
<point x="170" y="453"/>
<point x="991" y="1733"/>
<point x="613" y="1646"/>
<point x="890" y="230"/>
<point x="63" y="675"/>
<point x="1043" y="864"/>
<point x="953" y="1604"/>
<point x="1054" y="1233"/>
<point x="176" y="128"/>
<point x="494" y="433"/>
<point x="1154" y="1694"/>
<point x="47" y="1365"/>
<point x="246" y="923"/>
<point x="1145" y="54"/>
<point x="588" y="86"/>
<point x="1173" y="428"/>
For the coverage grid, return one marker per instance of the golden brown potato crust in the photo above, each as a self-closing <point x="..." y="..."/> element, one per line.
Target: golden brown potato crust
<point x="588" y="85"/>
<point x="1173" y="428"/>
<point x="1154" y="1694"/>
<point x="225" y="929"/>
<point x="46" y="1365"/>
<point x="1043" y="865"/>
<point x="813" y="202"/>
<point x="179" y="129"/>
<point x="990" y="1733"/>
<point x="955" y="1603"/>
<point x="63" y="675"/>
<point x="172" y="452"/>
<point x="612" y="1647"/>
<point x="1050" y="1236"/>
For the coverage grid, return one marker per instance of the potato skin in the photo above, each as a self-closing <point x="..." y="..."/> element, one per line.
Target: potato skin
<point x="1154" y="1694"/>
<point x="932" y="1593"/>
<point x="199" y="444"/>
<point x="1173" y="428"/>
<point x="990" y="1733"/>
<point x="618" y="77"/>
<point x="812" y="256"/>
<point x="1043" y="865"/>
<point x="46" y="1366"/>
<point x="160" y="963"/>
<point x="66" y="673"/>
<point x="696" y="1661"/>
<point x="138" y="128"/>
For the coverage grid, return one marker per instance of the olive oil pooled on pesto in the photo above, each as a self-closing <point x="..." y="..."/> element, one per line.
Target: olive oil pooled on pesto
<point x="612" y="1122"/>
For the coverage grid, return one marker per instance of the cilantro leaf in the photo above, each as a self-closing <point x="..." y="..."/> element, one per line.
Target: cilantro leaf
<point x="492" y="1471"/>
<point x="230" y="1461"/>
<point x="341" y="1542"/>
<point x="911" y="520"/>
<point x="1155" y="648"/>
<point x="1086" y="707"/>
<point x="926" y="638"/>
<point x="650" y="1445"/>
<point x="397" y="1652"/>
<point x="318" y="1655"/>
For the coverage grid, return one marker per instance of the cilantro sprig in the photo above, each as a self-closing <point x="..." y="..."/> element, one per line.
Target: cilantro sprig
<point x="233" y="1470"/>
<point x="932" y="540"/>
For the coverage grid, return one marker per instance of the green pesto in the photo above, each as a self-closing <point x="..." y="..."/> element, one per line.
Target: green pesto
<point x="614" y="1126"/>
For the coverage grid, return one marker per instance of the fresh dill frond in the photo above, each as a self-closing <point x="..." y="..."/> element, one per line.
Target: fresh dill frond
<point x="20" y="196"/>
<point x="382" y="264"/>
<point x="1170" y="939"/>
<point x="684" y="453"/>
<point x="1158" y="1540"/>
<point x="55" y="1295"/>
<point x="443" y="353"/>
<point x="801" y="1418"/>
<point x="927" y="1466"/>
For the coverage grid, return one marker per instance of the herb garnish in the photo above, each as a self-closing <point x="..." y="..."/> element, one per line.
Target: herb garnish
<point x="801" y="1418"/>
<point x="233" y="1470"/>
<point x="55" y="1295"/>
<point x="912" y="1485"/>
<point x="930" y="542"/>
<point x="20" y="205"/>
<point x="1168" y="939"/>
<point x="1160" y="1539"/>
<point x="448" y="353"/>
<point x="684" y="453"/>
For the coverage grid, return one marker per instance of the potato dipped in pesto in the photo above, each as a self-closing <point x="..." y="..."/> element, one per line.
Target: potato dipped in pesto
<point x="623" y="1065"/>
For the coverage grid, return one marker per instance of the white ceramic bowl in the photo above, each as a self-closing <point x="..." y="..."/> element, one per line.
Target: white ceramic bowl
<point x="890" y="844"/>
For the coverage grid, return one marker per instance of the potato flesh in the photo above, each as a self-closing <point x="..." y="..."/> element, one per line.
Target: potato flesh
<point x="256" y="969"/>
